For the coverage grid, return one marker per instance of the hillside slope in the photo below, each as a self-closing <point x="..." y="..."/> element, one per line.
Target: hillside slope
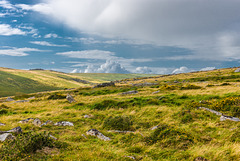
<point x="171" y="119"/>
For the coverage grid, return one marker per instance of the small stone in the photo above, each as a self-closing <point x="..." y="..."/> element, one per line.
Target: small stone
<point x="130" y="92"/>
<point x="154" y="128"/>
<point x="131" y="157"/>
<point x="64" y="123"/>
<point x="47" y="122"/>
<point x="37" y="122"/>
<point x="54" y="138"/>
<point x="31" y="98"/>
<point x="70" y="98"/>
<point x="84" y="136"/>
<point x="95" y="132"/>
<point x="87" y="116"/>
<point x="6" y="136"/>
<point x="155" y="92"/>
<point x="1" y="124"/>
<point x="9" y="99"/>
<point x="15" y="130"/>
<point x="21" y="101"/>
<point x="26" y="120"/>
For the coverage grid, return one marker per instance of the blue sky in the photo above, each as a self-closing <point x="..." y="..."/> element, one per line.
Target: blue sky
<point x="120" y="36"/>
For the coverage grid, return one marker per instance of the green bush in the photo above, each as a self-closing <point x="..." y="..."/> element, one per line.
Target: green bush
<point x="123" y="123"/>
<point x="56" y="96"/>
<point x="27" y="143"/>
<point x="169" y="136"/>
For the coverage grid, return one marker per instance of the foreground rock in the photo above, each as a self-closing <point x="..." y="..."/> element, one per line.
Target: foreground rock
<point x="104" y="85"/>
<point x="130" y="92"/>
<point x="95" y="132"/>
<point x="70" y="98"/>
<point x="6" y="136"/>
<point x="14" y="130"/>
<point x="64" y="123"/>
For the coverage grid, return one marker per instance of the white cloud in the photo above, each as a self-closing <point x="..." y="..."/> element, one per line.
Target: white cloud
<point x="18" y="51"/>
<point x="6" y="4"/>
<point x="207" y="68"/>
<point x="200" y="27"/>
<point x="181" y="70"/>
<point x="74" y="71"/>
<point x="143" y="70"/>
<point x="108" y="67"/>
<point x="45" y="43"/>
<point x="89" y="54"/>
<point x="51" y="35"/>
<point x="7" y="30"/>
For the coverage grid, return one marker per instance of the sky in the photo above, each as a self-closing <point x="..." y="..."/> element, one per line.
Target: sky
<point x="120" y="36"/>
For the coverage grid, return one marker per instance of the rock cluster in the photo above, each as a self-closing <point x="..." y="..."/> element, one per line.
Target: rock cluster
<point x="104" y="85"/>
<point x="95" y="132"/>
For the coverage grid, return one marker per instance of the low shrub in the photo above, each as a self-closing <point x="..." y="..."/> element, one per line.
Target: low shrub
<point x="123" y="123"/>
<point x="27" y="143"/>
<point x="3" y="111"/>
<point x="169" y="136"/>
<point x="56" y="96"/>
<point x="190" y="86"/>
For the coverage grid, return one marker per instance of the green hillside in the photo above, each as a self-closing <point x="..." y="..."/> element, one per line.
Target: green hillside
<point x="171" y="120"/>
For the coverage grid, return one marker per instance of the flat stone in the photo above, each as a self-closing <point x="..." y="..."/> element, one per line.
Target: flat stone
<point x="95" y="132"/>
<point x="155" y="92"/>
<point x="37" y="122"/>
<point x="224" y="117"/>
<point x="6" y="136"/>
<point x="210" y="110"/>
<point x="131" y="157"/>
<point x="154" y="128"/>
<point x="64" y="123"/>
<point x="54" y="138"/>
<point x="47" y="123"/>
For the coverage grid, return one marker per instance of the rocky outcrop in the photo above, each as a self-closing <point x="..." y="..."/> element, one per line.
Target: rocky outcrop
<point x="104" y="85"/>
<point x="64" y="123"/>
<point x="237" y="70"/>
<point x="37" y="122"/>
<point x="144" y="84"/>
<point x="6" y="136"/>
<point x="26" y="120"/>
<point x="129" y="92"/>
<point x="9" y="99"/>
<point x="95" y="132"/>
<point x="47" y="123"/>
<point x="70" y="98"/>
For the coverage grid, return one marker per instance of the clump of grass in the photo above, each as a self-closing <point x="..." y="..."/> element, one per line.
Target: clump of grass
<point x="169" y="87"/>
<point x="56" y="96"/>
<point x="169" y="136"/>
<point x="27" y="143"/>
<point x="185" y="116"/>
<point x="123" y="123"/>
<point x="190" y="86"/>
<point x="4" y="106"/>
<point x="225" y="84"/>
<point x="3" y="111"/>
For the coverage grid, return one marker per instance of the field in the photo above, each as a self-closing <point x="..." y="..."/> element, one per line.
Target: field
<point x="162" y="121"/>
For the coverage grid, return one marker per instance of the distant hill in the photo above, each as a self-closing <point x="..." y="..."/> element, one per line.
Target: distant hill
<point x="16" y="82"/>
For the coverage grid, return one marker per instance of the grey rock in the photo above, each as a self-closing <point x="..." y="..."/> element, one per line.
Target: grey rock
<point x="54" y="138"/>
<point x="237" y="70"/>
<point x="47" y="122"/>
<point x="131" y="157"/>
<point x="21" y="101"/>
<point x="130" y="92"/>
<point x="84" y="136"/>
<point x="155" y="92"/>
<point x="31" y="98"/>
<point x="15" y="130"/>
<point x="155" y="127"/>
<point x="95" y="132"/>
<point x="1" y="124"/>
<point x="104" y="85"/>
<point x="9" y="99"/>
<point x="70" y="98"/>
<point x="6" y="136"/>
<point x="64" y="123"/>
<point x="210" y="110"/>
<point x="26" y="120"/>
<point x="37" y="122"/>
<point x="144" y="84"/>
<point x="87" y="116"/>
<point x="224" y="117"/>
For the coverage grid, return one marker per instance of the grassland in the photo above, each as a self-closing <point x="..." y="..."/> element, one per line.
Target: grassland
<point x="184" y="132"/>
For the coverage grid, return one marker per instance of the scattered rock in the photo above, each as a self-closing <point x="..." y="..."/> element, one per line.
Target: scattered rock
<point x="47" y="122"/>
<point x="9" y="99"/>
<point x="155" y="92"/>
<point x="237" y="70"/>
<point x="54" y="138"/>
<point x="224" y="117"/>
<point x="144" y="84"/>
<point x="87" y="116"/>
<point x="210" y="110"/>
<point x="6" y="136"/>
<point x="104" y="85"/>
<point x="70" y="98"/>
<point x="201" y="159"/>
<point x="131" y="157"/>
<point x="155" y="127"/>
<point x="26" y="120"/>
<point x="84" y="136"/>
<point x="95" y="132"/>
<point x="21" y="101"/>
<point x="15" y="130"/>
<point x="31" y="98"/>
<point x="130" y="92"/>
<point x="1" y="124"/>
<point x="64" y="123"/>
<point x="37" y="122"/>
